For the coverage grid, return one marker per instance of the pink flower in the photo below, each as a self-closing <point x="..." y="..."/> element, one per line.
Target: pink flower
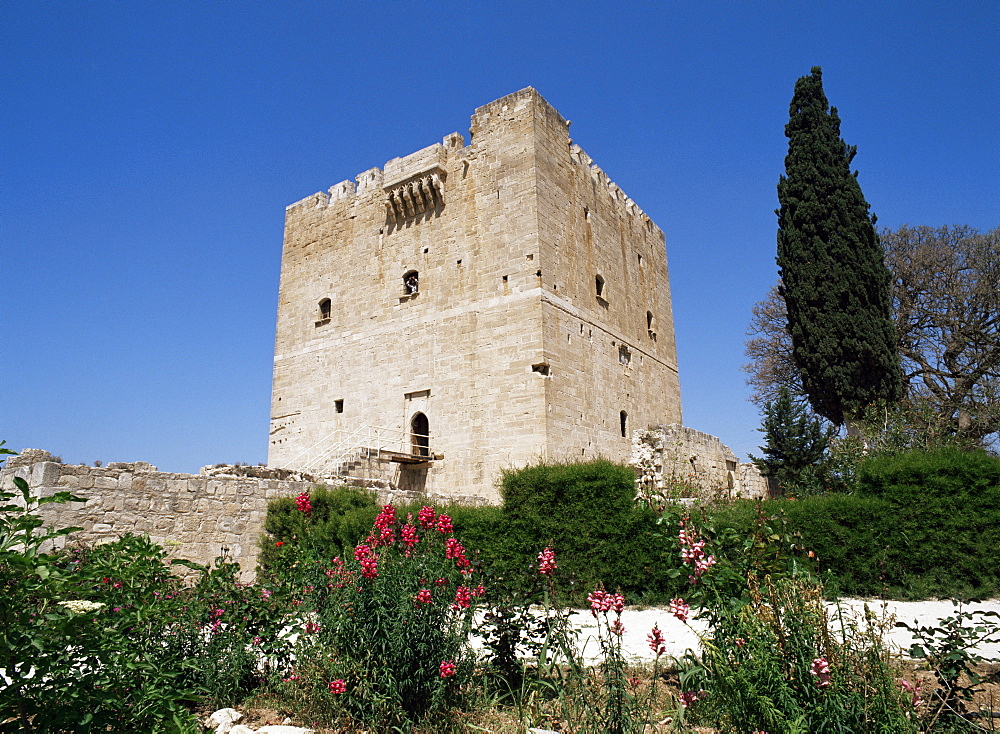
<point x="409" y="535"/>
<point x="689" y="697"/>
<point x="547" y="561"/>
<point x="463" y="598"/>
<point x="369" y="567"/>
<point x="426" y="518"/>
<point x="338" y="686"/>
<point x="423" y="596"/>
<point x="479" y="591"/>
<point x="680" y="609"/>
<point x="602" y="602"/>
<point x="302" y="502"/>
<point x="656" y="641"/>
<point x="914" y="691"/>
<point x="454" y="550"/>
<point x="821" y="669"/>
<point x="447" y="669"/>
<point x="444" y="524"/>
<point x="617" y="627"/>
<point x="385" y="524"/>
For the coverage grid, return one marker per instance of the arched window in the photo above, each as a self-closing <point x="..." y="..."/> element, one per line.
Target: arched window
<point x="420" y="435"/>
<point x="599" y="283"/>
<point x="623" y="417"/>
<point x="324" y="309"/>
<point x="411" y="282"/>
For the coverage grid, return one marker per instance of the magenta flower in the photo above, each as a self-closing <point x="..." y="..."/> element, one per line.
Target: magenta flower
<point x="547" y="561"/>
<point x="423" y="596"/>
<point x="463" y="598"/>
<point x="444" y="524"/>
<point x="409" y="535"/>
<point x="338" y="686"/>
<point x="656" y="642"/>
<point x="680" y="609"/>
<point x="602" y="602"/>
<point x="447" y="669"/>
<point x="427" y="518"/>
<point x="821" y="669"/>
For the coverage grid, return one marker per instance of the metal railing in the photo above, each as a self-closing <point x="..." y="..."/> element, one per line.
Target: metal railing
<point x="344" y="446"/>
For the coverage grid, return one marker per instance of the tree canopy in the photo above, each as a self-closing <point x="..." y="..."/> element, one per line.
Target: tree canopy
<point x="946" y="307"/>
<point x="834" y="281"/>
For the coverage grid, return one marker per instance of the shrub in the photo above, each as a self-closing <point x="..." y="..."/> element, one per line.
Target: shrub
<point x="587" y="513"/>
<point x="385" y="635"/>
<point x="943" y="518"/>
<point x="339" y="519"/>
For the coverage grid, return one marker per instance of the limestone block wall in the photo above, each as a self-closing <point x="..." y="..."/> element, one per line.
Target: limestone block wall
<point x="192" y="517"/>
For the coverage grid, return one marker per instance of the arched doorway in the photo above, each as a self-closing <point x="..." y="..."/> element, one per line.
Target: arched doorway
<point x="420" y="435"/>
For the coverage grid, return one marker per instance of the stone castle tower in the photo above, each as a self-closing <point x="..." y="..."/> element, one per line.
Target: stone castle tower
<point x="471" y="308"/>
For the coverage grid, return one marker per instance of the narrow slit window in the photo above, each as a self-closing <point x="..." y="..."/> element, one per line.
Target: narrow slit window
<point x="623" y="419"/>
<point x="599" y="286"/>
<point x="339" y="405"/>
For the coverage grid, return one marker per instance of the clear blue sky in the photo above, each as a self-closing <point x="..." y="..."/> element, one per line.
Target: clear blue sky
<point x="149" y="150"/>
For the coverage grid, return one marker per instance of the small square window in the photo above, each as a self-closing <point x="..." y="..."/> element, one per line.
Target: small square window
<point x="339" y="405"/>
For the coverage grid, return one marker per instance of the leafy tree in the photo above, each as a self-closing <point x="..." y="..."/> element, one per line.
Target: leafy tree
<point x="795" y="440"/>
<point x="833" y="277"/>
<point x="946" y="297"/>
<point x="946" y="306"/>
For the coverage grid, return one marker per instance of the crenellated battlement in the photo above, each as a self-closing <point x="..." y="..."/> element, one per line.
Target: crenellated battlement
<point x="414" y="184"/>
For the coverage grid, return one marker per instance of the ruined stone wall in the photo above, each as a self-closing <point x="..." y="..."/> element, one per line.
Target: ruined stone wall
<point x="505" y="346"/>
<point x="674" y="455"/>
<point x="191" y="516"/>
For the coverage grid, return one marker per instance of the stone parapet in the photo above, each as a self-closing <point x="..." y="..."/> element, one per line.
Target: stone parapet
<point x="193" y="517"/>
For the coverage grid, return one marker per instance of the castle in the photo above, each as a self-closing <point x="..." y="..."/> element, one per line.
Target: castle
<point x="470" y="308"/>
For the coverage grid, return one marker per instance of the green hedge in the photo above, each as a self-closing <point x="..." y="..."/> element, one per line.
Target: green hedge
<point x="924" y="524"/>
<point x="587" y="513"/>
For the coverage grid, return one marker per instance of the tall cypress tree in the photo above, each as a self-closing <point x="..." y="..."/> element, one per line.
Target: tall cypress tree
<point x="833" y="274"/>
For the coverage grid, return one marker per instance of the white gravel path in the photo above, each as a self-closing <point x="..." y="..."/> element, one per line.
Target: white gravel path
<point x="680" y="637"/>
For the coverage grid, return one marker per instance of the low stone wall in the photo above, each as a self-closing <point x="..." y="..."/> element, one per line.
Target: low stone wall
<point x="192" y="516"/>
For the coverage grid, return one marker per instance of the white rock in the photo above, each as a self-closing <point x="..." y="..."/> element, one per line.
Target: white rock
<point x="241" y="729"/>
<point x="223" y="720"/>
<point x="275" y="729"/>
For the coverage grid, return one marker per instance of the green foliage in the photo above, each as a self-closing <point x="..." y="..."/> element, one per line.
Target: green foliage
<point x="587" y="513"/>
<point x="943" y="518"/>
<point x="918" y="526"/>
<point x="770" y="660"/>
<point x="795" y="441"/>
<point x="73" y="662"/>
<point x="833" y="276"/>
<point x="384" y="632"/>
<point x="108" y="638"/>
<point x="339" y="520"/>
<point x="948" y="648"/>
